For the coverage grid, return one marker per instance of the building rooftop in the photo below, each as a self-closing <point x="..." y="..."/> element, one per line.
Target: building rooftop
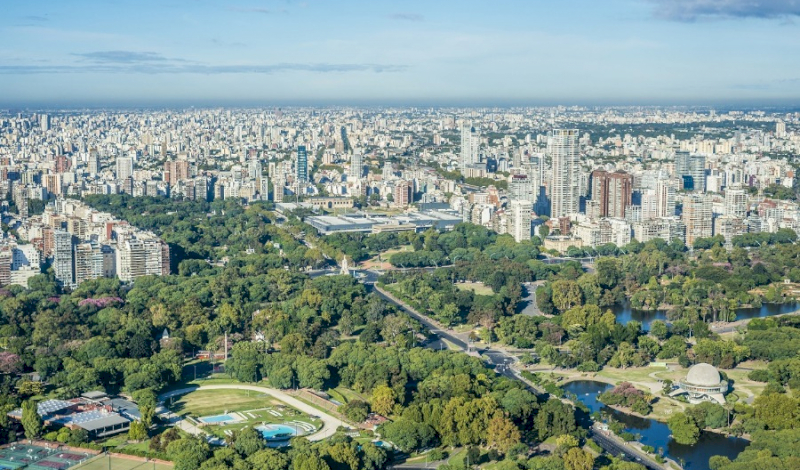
<point x="704" y="375"/>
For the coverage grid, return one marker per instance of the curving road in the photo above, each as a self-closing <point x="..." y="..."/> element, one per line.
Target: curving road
<point x="329" y="423"/>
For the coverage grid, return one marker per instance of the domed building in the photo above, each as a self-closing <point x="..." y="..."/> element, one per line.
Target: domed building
<point x="703" y="383"/>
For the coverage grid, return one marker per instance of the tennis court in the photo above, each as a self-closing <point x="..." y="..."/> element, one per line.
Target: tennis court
<point x="106" y="462"/>
<point x="22" y="455"/>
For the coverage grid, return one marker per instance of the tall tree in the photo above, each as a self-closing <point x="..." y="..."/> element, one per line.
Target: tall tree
<point x="31" y="421"/>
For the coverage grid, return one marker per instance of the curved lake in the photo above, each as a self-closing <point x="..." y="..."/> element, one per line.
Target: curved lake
<point x="657" y="434"/>
<point x="625" y="313"/>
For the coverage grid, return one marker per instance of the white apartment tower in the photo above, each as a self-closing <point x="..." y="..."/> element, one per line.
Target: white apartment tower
<point x="356" y="167"/>
<point x="565" y="188"/>
<point x="780" y="129"/>
<point x="665" y="197"/>
<point x="94" y="163"/>
<point x="140" y="257"/>
<point x="124" y="168"/>
<point x="470" y="145"/>
<point x="736" y="202"/>
<point x="519" y="220"/>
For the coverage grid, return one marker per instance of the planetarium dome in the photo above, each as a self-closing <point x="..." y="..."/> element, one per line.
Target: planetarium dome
<point x="704" y="375"/>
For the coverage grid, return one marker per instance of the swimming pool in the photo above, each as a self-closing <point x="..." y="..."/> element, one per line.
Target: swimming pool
<point x="218" y="419"/>
<point x="276" y="432"/>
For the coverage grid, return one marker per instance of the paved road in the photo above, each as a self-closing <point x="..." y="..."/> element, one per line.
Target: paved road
<point x="329" y="423"/>
<point x="528" y="300"/>
<point x="617" y="449"/>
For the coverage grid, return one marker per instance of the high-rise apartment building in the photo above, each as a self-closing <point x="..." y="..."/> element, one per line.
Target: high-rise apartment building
<point x="175" y="171"/>
<point x="613" y="192"/>
<point x="254" y="169"/>
<point x="470" y="145"/>
<point x="665" y="197"/>
<point x="6" y="260"/>
<point x="565" y="187"/>
<point x="302" y="164"/>
<point x="141" y="257"/>
<point x="780" y="129"/>
<point x="88" y="262"/>
<point x="736" y="202"/>
<point x="519" y="219"/>
<point x="403" y="193"/>
<point x="93" y="163"/>
<point x="62" y="258"/>
<point x="697" y="217"/>
<point x="44" y="121"/>
<point x="691" y="170"/>
<point x="520" y="188"/>
<point x="124" y="168"/>
<point x="278" y="184"/>
<point x="356" y="170"/>
<point x="263" y="187"/>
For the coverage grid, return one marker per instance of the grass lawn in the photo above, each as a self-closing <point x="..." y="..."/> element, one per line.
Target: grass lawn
<point x="213" y="402"/>
<point x="632" y="374"/>
<point x="478" y="288"/>
<point x="345" y="395"/>
<point x="105" y="462"/>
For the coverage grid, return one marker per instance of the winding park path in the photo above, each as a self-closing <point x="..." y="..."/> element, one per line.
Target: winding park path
<point x="329" y="423"/>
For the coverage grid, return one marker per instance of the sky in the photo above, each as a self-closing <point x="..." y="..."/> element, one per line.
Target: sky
<point x="434" y="52"/>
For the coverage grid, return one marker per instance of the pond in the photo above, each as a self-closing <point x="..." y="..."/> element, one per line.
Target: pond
<point x="657" y="434"/>
<point x="625" y="313"/>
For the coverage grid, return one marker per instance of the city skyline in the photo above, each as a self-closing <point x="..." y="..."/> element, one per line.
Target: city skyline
<point x="88" y="53"/>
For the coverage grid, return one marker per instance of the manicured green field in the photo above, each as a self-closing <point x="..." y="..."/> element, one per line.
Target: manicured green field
<point x="213" y="402"/>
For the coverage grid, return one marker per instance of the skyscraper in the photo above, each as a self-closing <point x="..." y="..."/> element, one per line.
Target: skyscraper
<point x="691" y="170"/>
<point x="94" y="163"/>
<point x="470" y="145"/>
<point x="665" y="197"/>
<point x="535" y="171"/>
<point x="697" y="216"/>
<point x="62" y="257"/>
<point x="356" y="166"/>
<point x="44" y="121"/>
<point x="124" y="168"/>
<point x="736" y="202"/>
<point x="88" y="262"/>
<point x="613" y="192"/>
<point x="520" y="188"/>
<point x="254" y="169"/>
<point x="780" y="129"/>
<point x="403" y="193"/>
<point x="565" y="188"/>
<point x="175" y="171"/>
<point x="302" y="164"/>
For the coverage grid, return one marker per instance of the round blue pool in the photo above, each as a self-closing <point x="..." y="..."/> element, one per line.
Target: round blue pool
<point x="277" y="432"/>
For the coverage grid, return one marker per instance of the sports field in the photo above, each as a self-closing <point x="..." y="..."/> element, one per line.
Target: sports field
<point x="107" y="462"/>
<point x="212" y="402"/>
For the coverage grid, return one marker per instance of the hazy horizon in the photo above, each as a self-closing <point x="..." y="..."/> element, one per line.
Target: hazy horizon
<point x="466" y="53"/>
